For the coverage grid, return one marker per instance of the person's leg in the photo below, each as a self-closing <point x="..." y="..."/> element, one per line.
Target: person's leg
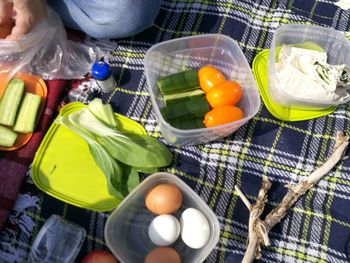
<point x="109" y="18"/>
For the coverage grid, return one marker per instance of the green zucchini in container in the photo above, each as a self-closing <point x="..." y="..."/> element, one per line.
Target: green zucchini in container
<point x="7" y="137"/>
<point x="10" y="101"/>
<point x="26" y="119"/>
<point x="188" y="123"/>
<point x="178" y="82"/>
<point x="195" y="107"/>
<point x="185" y="103"/>
<point x="182" y="96"/>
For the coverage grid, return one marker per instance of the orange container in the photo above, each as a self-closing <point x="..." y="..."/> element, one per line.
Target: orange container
<point x="33" y="84"/>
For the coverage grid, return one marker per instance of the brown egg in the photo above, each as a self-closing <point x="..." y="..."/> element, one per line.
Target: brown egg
<point x="163" y="199"/>
<point x="163" y="255"/>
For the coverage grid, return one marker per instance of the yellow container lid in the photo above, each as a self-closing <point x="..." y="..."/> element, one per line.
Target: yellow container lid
<point x="277" y="110"/>
<point x="64" y="168"/>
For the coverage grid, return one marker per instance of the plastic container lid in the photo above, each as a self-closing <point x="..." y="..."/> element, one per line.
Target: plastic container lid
<point x="64" y="168"/>
<point x="33" y="84"/>
<point x="279" y="111"/>
<point x="57" y="241"/>
<point x="100" y="70"/>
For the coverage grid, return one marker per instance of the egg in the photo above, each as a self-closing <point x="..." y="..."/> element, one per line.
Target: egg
<point x="164" y="230"/>
<point x="163" y="255"/>
<point x="195" y="230"/>
<point x="163" y="199"/>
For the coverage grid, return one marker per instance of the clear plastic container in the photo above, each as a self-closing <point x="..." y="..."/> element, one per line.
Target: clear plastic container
<point x="58" y="241"/>
<point x="333" y="43"/>
<point x="126" y="230"/>
<point x="193" y="52"/>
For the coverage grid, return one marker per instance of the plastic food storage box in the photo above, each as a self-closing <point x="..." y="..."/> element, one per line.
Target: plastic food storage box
<point x="193" y="52"/>
<point x="126" y="230"/>
<point x="58" y="241"/>
<point x="333" y="43"/>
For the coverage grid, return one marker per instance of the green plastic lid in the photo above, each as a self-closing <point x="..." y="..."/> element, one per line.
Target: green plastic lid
<point x="277" y="110"/>
<point x="64" y="168"/>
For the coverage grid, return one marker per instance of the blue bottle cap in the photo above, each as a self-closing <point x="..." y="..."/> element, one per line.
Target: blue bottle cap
<point x="100" y="70"/>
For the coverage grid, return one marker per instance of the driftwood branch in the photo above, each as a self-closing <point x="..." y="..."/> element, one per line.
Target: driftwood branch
<point x="258" y="229"/>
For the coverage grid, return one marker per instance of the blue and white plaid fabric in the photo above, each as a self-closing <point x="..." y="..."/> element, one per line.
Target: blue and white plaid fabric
<point x="316" y="229"/>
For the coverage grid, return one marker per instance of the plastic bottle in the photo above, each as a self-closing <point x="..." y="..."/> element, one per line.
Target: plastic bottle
<point x="103" y="74"/>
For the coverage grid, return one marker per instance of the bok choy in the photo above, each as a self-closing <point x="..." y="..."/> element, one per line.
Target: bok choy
<point x="131" y="149"/>
<point x="120" y="156"/>
<point x="121" y="179"/>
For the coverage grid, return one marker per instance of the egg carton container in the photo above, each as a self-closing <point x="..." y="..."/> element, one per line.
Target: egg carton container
<point x="193" y="52"/>
<point x="333" y="43"/>
<point x="126" y="230"/>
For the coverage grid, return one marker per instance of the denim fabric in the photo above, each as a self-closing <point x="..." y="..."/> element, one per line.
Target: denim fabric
<point x="107" y="19"/>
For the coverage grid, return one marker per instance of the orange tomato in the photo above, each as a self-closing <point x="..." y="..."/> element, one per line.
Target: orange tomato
<point x="208" y="77"/>
<point x="224" y="93"/>
<point x="222" y="115"/>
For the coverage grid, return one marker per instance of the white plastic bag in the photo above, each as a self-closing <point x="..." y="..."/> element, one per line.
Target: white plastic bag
<point x="47" y="52"/>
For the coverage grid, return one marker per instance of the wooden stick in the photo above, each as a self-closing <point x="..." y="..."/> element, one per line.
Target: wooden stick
<point x="260" y="225"/>
<point x="255" y="237"/>
<point x="258" y="230"/>
<point x="298" y="190"/>
<point x="243" y="197"/>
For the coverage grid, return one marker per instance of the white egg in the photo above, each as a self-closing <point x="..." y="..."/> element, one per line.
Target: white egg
<point x="195" y="230"/>
<point x="164" y="230"/>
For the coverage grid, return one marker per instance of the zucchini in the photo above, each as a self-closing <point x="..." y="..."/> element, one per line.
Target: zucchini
<point x="10" y="101"/>
<point x="178" y="82"/>
<point x="28" y="111"/>
<point x="183" y="96"/>
<point x="196" y="107"/>
<point x="188" y="123"/>
<point x="7" y="137"/>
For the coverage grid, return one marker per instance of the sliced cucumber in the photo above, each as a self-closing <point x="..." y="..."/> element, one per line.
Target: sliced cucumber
<point x="10" y="101"/>
<point x="28" y="111"/>
<point x="178" y="82"/>
<point x="103" y="111"/>
<point x="196" y="107"/>
<point x="183" y="96"/>
<point x="7" y="137"/>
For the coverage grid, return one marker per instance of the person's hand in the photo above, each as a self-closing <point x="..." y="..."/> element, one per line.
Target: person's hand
<point x="26" y="13"/>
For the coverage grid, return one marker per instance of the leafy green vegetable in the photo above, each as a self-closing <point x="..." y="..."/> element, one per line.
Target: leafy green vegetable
<point x="104" y="112"/>
<point x="134" y="150"/>
<point x="120" y="156"/>
<point x="118" y="175"/>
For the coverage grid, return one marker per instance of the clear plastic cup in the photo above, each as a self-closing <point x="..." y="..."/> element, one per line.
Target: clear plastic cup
<point x="126" y="229"/>
<point x="331" y="41"/>
<point x="58" y="241"/>
<point x="193" y="52"/>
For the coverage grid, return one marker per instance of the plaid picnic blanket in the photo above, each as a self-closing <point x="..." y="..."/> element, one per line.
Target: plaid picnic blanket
<point x="316" y="229"/>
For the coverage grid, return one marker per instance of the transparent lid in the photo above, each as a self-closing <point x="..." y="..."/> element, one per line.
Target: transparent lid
<point x="58" y="241"/>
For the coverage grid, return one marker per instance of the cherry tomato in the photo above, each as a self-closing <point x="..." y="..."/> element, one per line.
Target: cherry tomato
<point x="222" y="115"/>
<point x="208" y="77"/>
<point x="224" y="93"/>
